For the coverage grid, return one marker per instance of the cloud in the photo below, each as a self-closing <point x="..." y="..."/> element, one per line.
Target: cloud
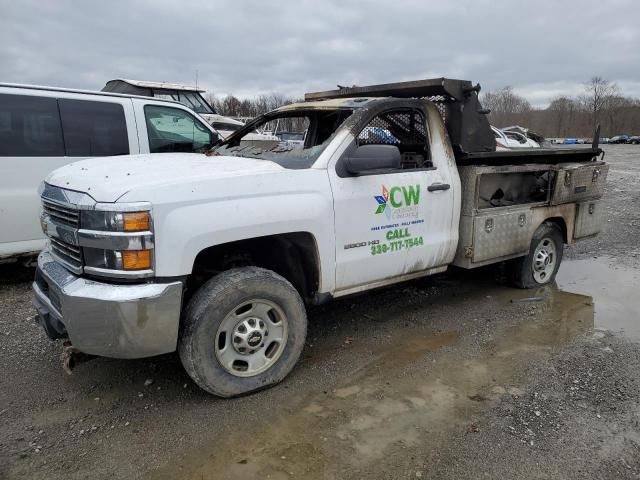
<point x="251" y="47"/>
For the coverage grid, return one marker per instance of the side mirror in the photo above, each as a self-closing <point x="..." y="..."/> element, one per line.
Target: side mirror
<point x="367" y="158"/>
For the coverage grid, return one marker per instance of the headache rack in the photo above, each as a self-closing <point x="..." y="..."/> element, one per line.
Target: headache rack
<point x="457" y="101"/>
<point x="466" y="121"/>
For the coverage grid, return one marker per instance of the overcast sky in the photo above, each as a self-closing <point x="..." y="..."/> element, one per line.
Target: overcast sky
<point x="542" y="48"/>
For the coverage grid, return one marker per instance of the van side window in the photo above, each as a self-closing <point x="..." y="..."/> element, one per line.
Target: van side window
<point x="175" y="130"/>
<point x="30" y="127"/>
<point x="93" y="129"/>
<point x="404" y="128"/>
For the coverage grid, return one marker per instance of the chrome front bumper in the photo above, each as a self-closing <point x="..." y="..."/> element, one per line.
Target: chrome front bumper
<point x="109" y="320"/>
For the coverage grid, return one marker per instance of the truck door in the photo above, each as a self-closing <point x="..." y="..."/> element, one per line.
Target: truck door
<point x="395" y="222"/>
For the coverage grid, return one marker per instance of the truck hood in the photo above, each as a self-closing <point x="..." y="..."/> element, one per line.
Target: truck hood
<point x="108" y="178"/>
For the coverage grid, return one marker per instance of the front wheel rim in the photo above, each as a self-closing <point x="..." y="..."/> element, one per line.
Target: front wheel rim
<point x="251" y="338"/>
<point x="544" y="260"/>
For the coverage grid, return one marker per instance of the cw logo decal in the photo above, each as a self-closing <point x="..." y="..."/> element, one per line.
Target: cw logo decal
<point x="397" y="197"/>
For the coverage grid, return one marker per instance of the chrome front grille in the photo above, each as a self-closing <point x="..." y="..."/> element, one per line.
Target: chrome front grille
<point x="70" y="254"/>
<point x="61" y="221"/>
<point x="61" y="213"/>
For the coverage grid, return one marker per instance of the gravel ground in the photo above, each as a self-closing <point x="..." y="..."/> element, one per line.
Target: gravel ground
<point x="456" y="376"/>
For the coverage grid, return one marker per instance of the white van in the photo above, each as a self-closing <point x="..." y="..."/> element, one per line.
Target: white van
<point x="43" y="128"/>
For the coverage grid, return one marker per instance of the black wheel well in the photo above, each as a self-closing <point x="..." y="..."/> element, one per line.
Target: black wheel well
<point x="291" y="255"/>
<point x="561" y="224"/>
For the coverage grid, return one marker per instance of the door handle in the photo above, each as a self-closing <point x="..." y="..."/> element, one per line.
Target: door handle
<point x="434" y="187"/>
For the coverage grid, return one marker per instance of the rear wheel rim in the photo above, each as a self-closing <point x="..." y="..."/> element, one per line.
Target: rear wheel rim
<point x="251" y="338"/>
<point x="545" y="258"/>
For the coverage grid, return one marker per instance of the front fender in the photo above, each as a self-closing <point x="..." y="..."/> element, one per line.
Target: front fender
<point x="185" y="228"/>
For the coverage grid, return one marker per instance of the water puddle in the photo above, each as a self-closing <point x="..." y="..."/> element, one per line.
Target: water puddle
<point x="615" y="290"/>
<point x="405" y="403"/>
<point x="432" y="379"/>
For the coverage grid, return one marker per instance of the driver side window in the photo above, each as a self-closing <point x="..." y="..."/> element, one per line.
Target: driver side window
<point x="175" y="130"/>
<point x="404" y="129"/>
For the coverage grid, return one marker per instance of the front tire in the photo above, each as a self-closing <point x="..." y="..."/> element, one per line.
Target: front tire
<point x="242" y="331"/>
<point x="540" y="266"/>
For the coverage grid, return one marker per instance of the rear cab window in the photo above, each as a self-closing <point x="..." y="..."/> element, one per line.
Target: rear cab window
<point x="404" y="128"/>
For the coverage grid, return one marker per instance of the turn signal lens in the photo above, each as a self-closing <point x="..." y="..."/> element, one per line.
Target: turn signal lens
<point x="136" y="259"/>
<point x="136" y="221"/>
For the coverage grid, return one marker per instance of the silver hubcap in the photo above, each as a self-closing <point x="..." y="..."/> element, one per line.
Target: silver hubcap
<point x="544" y="260"/>
<point x="251" y="338"/>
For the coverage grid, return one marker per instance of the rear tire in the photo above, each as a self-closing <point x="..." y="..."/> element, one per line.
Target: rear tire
<point x="242" y="331"/>
<point x="540" y="266"/>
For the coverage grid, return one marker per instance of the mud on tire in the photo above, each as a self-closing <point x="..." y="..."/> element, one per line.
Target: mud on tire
<point x="220" y="330"/>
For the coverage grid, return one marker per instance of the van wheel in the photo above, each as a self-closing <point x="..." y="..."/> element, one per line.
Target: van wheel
<point x="242" y="331"/>
<point x="541" y="265"/>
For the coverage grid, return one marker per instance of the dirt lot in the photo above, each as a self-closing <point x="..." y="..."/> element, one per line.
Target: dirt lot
<point x="457" y="376"/>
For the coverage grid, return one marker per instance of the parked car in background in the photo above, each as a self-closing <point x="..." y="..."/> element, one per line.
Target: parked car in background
<point x="292" y="138"/>
<point x="43" y="128"/>
<point x="225" y="126"/>
<point x="634" y="140"/>
<point x="192" y="98"/>
<point x="513" y="139"/>
<point x="537" y="138"/>
<point x="570" y="141"/>
<point x="619" y="139"/>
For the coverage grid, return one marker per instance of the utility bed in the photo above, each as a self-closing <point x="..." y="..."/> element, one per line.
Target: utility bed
<point x="503" y="205"/>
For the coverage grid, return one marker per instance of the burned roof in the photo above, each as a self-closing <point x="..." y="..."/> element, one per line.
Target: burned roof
<point x="457" y="100"/>
<point x="351" y="103"/>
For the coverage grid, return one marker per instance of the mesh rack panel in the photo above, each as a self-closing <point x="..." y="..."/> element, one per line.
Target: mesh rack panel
<point x="402" y="127"/>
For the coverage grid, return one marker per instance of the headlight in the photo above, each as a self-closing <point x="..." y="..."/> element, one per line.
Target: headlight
<point x="116" y="221"/>
<point x="117" y="243"/>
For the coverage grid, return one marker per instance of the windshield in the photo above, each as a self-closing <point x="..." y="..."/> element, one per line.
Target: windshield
<point x="316" y="127"/>
<point x="195" y="101"/>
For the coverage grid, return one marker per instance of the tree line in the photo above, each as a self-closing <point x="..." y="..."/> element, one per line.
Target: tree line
<point x="248" y="108"/>
<point x="231" y="106"/>
<point x="601" y="103"/>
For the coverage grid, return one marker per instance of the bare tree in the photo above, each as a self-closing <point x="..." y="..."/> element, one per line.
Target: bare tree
<point x="598" y="93"/>
<point x="561" y="115"/>
<point x="507" y="107"/>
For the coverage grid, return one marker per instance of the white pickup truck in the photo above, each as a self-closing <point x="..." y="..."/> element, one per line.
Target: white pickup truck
<point x="216" y="255"/>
